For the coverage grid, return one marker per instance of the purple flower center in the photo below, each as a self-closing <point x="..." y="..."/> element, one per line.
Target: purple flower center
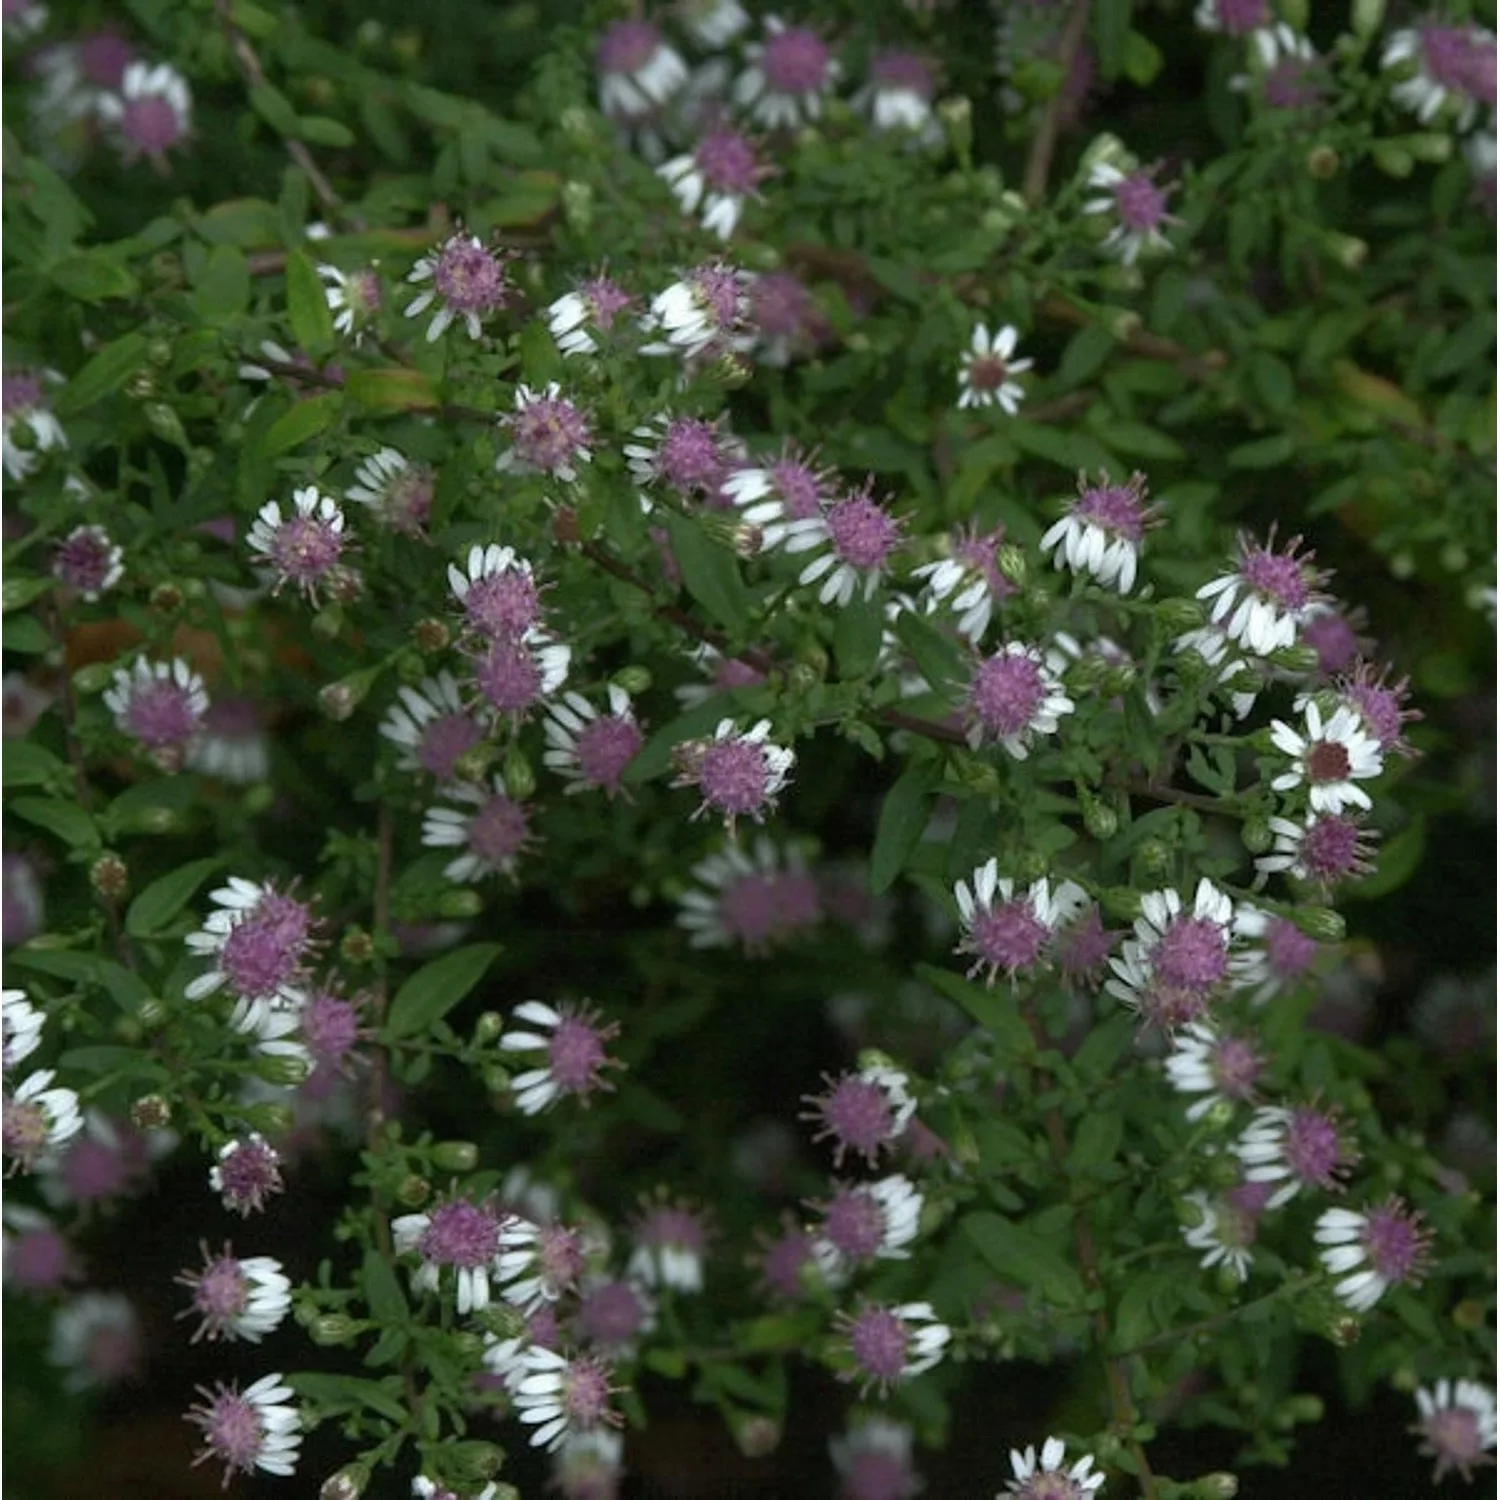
<point x="1332" y="636"/>
<point x="864" y="534"/>
<point x="151" y="124"/>
<point x="781" y="305"/>
<point x="605" y="299"/>
<point x="95" y="1169"/>
<point x="497" y="832"/>
<point x="718" y="291"/>
<point x="1396" y="1242"/>
<point x="509" y="677"/>
<point x="406" y="501"/>
<point x="854" y="1223"/>
<point x="221" y="1294"/>
<point x="38" y="1260"/>
<point x="1293" y="83"/>
<point x="627" y="46"/>
<point x="1449" y="58"/>
<point x="460" y="1234"/>
<point x="330" y="1027"/>
<point x="1009" y="936"/>
<point x="1380" y="708"/>
<point x="878" y="1341"/>
<point x="304" y="549"/>
<point x="20" y="391"/>
<point x="1313" y="1149"/>
<point x="784" y="1260"/>
<point x="1277" y="576"/>
<point x="689" y="456"/>
<point x="611" y="1314"/>
<point x="905" y="71"/>
<point x="232" y="1429"/>
<point x="1006" y="693"/>
<point x="1235" y="1066"/>
<point x="858" y="1115"/>
<point x="160" y="715"/>
<point x="977" y="553"/>
<point x="444" y="741"/>
<point x="85" y="560"/>
<point x="559" y="1255"/>
<point x="1330" y="849"/>
<point x="728" y="162"/>
<point x="263" y="952"/>
<point x="1241" y="17"/>
<point x="733" y="776"/>
<point x="875" y="1475"/>
<point x="1167" y="1006"/>
<point x="24" y="1128"/>
<point x="1289" y="950"/>
<point x="748" y="911"/>
<point x="1193" y="954"/>
<point x="1085" y="946"/>
<point x="103" y="57"/>
<point x="549" y="433"/>
<point x="679" y="1228"/>
<point x="585" y="1394"/>
<point x="1141" y="204"/>
<point x="469" y="278"/>
<point x="1453" y="1433"/>
<point x="795" y="61"/>
<point x="731" y="673"/>
<point x="606" y="746"/>
<point x="576" y="1055"/>
<point x="503" y="604"/>
<point x="1114" y="508"/>
<point x="1326" y="761"/>
<point x="248" y="1175"/>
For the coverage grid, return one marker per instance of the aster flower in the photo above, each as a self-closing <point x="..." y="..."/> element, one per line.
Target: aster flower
<point x="1047" y="1479"/>
<point x="1297" y="1148"/>
<point x="330" y="1031"/>
<point x="455" y="1235"/>
<point x="891" y="1344"/>
<point x="874" y="1461"/>
<point x="670" y="1246"/>
<point x="160" y="705"/>
<point x="232" y="744"/>
<point x="431" y="727"/>
<point x="23" y="19"/>
<point x="1219" y="1068"/>
<point x="498" y="592"/>
<point x="1006" y="931"/>
<point x="590" y="1465"/>
<point x="865" y="1222"/>
<point x="36" y="1119"/>
<point x="726" y="673"/>
<point x="574" y="318"/>
<point x="1440" y="68"/>
<point x="1277" y="955"/>
<point x="468" y="282"/>
<point x="785" y="318"/>
<point x="968" y="581"/>
<point x="749" y="898"/>
<point x="1334" y="633"/>
<point x="396" y="491"/>
<point x="1381" y="706"/>
<point x="1266" y="600"/>
<point x="685" y="453"/>
<point x="537" y="1263"/>
<point x="150" y="115"/>
<point x="714" y="179"/>
<point x="1243" y="676"/>
<point x="260" y="941"/>
<point x="898" y="95"/>
<point x="854" y="540"/>
<point x="790" y="72"/>
<point x="737" y="773"/>
<point x="1082" y="948"/>
<point x="235" y="1298"/>
<point x="1372" y="1250"/>
<point x="571" y="1041"/>
<point x="1329" y="758"/>
<point x="258" y="1428"/>
<point x="549" y="434"/>
<point x="614" y="1315"/>
<point x="23" y="396"/>
<point x="354" y="299"/>
<point x="20" y="1026"/>
<point x="592" y="750"/>
<point x="516" y="673"/>
<point x="865" y="1112"/>
<point x="88" y="562"/>
<point x="96" y="1338"/>
<point x="1233" y="18"/>
<point x="1224" y="1232"/>
<point x="713" y="24"/>
<point x="1015" y="696"/>
<point x="638" y="72"/>
<point x="247" y="1172"/>
<point x="306" y="547"/>
<point x="1457" y="1426"/>
<point x="561" y="1396"/>
<point x="1134" y="206"/>
<point x="1102" y="532"/>
<point x="22" y="703"/>
<point x="1285" y="70"/>
<point x="490" y="829"/>
<point x="35" y="1255"/>
<point x="699" y="316"/>
<point x="988" y="365"/>
<point x="424" y="1488"/>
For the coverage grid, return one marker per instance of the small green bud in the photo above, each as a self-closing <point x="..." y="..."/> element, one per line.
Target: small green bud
<point x="520" y="779"/>
<point x="1011" y="561"/>
<point x="756" y="1434"/>
<point x="479" y="1461"/>
<point x="327" y="623"/>
<point x="1320" y="922"/>
<point x="578" y="205"/>
<point x="502" y="1320"/>
<point x="1454" y="557"/>
<point x="339" y="699"/>
<point x="431" y="636"/>
<point x="332" y="1329"/>
<point x="270" y="1119"/>
<point x="1391" y="159"/>
<point x="957" y="115"/>
<point x="1294" y="13"/>
<point x="1221" y="1485"/>
<point x="282" y="1071"/>
<point x="979" y="776"/>
<point x="802" y="677"/>
<point x="413" y="1191"/>
<point x="1256" y="835"/>
<point x="496" y="1080"/>
<point x="576" y="125"/>
<point x="488" y="1027"/>
<point x="460" y="905"/>
<point x="1345" y="250"/>
<point x="468" y="1343"/>
<point x="455" y="1156"/>
<point x="166" y="598"/>
<point x="1099" y="818"/>
<point x="1468" y="1314"/>
<point x="1155" y="858"/>
<point x="1344" y="1330"/>
<point x="141" y="386"/>
<point x="159" y="353"/>
<point x="1304" y="1408"/>
<point x="1365" y="17"/>
<point x="153" y="1013"/>
<point x="1225" y="1171"/>
<point x="1029" y="866"/>
<point x="1120" y="902"/>
<point x="1221" y="1115"/>
<point x="151" y="1112"/>
<point x="1227" y="1280"/>
<point x="93" y="678"/>
<point x="1430" y="146"/>
<point x="110" y="876"/>
<point x="1178" y="616"/>
<point x="165" y="423"/>
<point x="348" y="1484"/>
<point x="634" y="679"/>
<point x="357" y="946"/>
<point x="1299" y="659"/>
<point x="1322" y="162"/>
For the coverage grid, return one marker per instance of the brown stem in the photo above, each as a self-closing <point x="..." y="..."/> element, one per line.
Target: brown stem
<point x="1203" y="366"/>
<point x="1044" y="143"/>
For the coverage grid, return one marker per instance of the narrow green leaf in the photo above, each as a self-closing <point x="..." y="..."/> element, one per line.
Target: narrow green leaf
<point x="106" y="372"/>
<point x="1264" y="453"/>
<point x="17" y="592"/>
<point x="903" y="816"/>
<point x="710" y="573"/>
<point x="307" y="305"/>
<point x="856" y="637"/>
<point x="128" y="990"/>
<point x="1097" y="1140"/>
<point x="1016" y="1253"/>
<point x="92" y="278"/>
<point x="155" y="907"/>
<point x="349" y="1393"/>
<point x="275" y="109"/>
<point x="319" y="130"/>
<point x="938" y="657"/>
<point x="305" y="420"/>
<point x="1111" y="35"/>
<point x="996" y="1010"/>
<point x="65" y="819"/>
<point x="26" y="764"/>
<point x="383" y="1294"/>
<point x="437" y="987"/>
<point x="222" y="290"/>
<point x="393" y="390"/>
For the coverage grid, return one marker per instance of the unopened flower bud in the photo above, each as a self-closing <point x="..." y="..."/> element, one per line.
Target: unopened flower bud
<point x="1221" y="1116"/>
<point x="578" y="205"/>
<point x="1430" y="146"/>
<point x="1011" y="561"/>
<point x="1120" y="902"/>
<point x="348" y="1484"/>
<point x="165" y="423"/>
<point x="330" y="1329"/>
<point x="565" y="525"/>
<point x="1320" y="922"/>
<point x="1454" y="557"/>
<point x="431" y="636"/>
<point x="1469" y="1314"/>
<point x="474" y="764"/>
<point x="488" y="1028"/>
<point x="756" y="1434"/>
<point x="1322" y="162"/>
<point x="957" y="115"/>
<point x="1220" y="1485"/>
<point x="979" y="776"/>
<point x="1304" y="1408"/>
<point x="357" y="946"/>
<point x="151" y="1112"/>
<point x="460" y="905"/>
<point x="1154" y="858"/>
<point x="339" y="699"/>
<point x="327" y="623"/>
<point x="1345" y="249"/>
<point x="802" y="677"/>
<point x="141" y="386"/>
<point x="1029" y="865"/>
<point x="1178" y="616"/>
<point x="502" y="1320"/>
<point x="270" y="1120"/>
<point x="413" y="1191"/>
<point x="1299" y="659"/>
<point x="1365" y="17"/>
<point x="520" y="779"/>
<point x="1391" y="159"/>
<point x="153" y="1012"/>
<point x="455" y="1156"/>
<point x="93" y="678"/>
<point x="110" y="876"/>
<point x="166" y="598"/>
<point x="1099" y="818"/>
<point x="479" y="1461"/>
<point x="1255" y="835"/>
<point x="282" y="1071"/>
<point x="1344" y="1330"/>
<point x="633" y="679"/>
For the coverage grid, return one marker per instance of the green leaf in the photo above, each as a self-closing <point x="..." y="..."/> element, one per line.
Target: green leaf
<point x="17" y="592"/>
<point x="903" y="817"/>
<point x="1016" y="1253"/>
<point x="1265" y="453"/>
<point x="307" y="305"/>
<point x="92" y="278"/>
<point x="129" y="991"/>
<point x="710" y="573"/>
<point x="26" y="764"/>
<point x="319" y="130"/>
<point x="1143" y="60"/>
<point x="1097" y="1141"/>
<point x="1137" y="440"/>
<point x="222" y="289"/>
<point x="275" y="109"/>
<point x="856" y="637"/>
<point x="383" y="1292"/>
<point x="67" y="820"/>
<point x="437" y="987"/>
<point x="151" y="806"/>
<point x="393" y="390"/>
<point x="1069" y="450"/>
<point x="938" y="657"/>
<point x="26" y="635"/>
<point x="1468" y="348"/>
<point x="305" y="420"/>
<point x="247" y="222"/>
<point x="996" y="1010"/>
<point x="1111" y="35"/>
<point x="1086" y="353"/>
<point x="106" y="372"/>
<point x="155" y="907"/>
<point x="349" y="1393"/>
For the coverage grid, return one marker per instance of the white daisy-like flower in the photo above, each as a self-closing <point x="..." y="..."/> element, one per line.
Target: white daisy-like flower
<point x="549" y="434"/>
<point x="1136" y="207"/>
<point x="1372" y="1251"/>
<point x="869" y="1221"/>
<point x="466" y="281"/>
<point x="37" y="1119"/>
<point x="498" y="591"/>
<point x="752" y="897"/>
<point x="424" y="1488"/>
<point x="638" y="71"/>
<point x="537" y="1263"/>
<point x="25" y="407"/>
<point x="898" y="97"/>
<point x="1284" y="66"/>
<point x="303" y="548"/>
<point x="353" y="297"/>
<point x="96" y="1338"/>
<point x="1457" y="1426"/>
<point x="892" y="1344"/>
<point x="20" y="1025"/>
<point x="789" y="74"/>
<point x="589" y="1463"/>
<point x="559" y="1396"/>
<point x="1217" y="1068"/>
<point x="737" y="772"/>
<point x="151" y="114"/>
<point x="159" y="704"/>
<point x="574" y="318"/>
<point x="1102" y="532"/>
<point x="233" y="745"/>
<point x="258" y="939"/>
<point x="713" y="180"/>
<point x="237" y="1298"/>
<point x="988" y="367"/>
<point x="1269" y="597"/>
<point x="968" y="582"/>
<point x="700" y="313"/>
<point x="397" y="491"/>
<point x="257" y="1428"/>
<point x="1324" y="849"/>
<point x="879" y="1447"/>
<point x="1015" y="696"/>
<point x="1442" y="63"/>
<point x="711" y="23"/>
<point x="489" y="827"/>
<point x="431" y="726"/>
<point x="1329" y="758"/>
<point x="1220" y="1235"/>
<point x="23" y="19"/>
<point x="589" y="749"/>
<point x="571" y="1042"/>
<point x="1292" y="1149"/>
<point x="1047" y="1479"/>
<point x="456" y="1235"/>
<point x="1003" y="930"/>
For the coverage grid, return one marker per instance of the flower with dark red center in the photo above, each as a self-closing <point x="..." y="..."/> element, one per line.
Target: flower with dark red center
<point x="160" y="705"/>
<point x="1372" y="1251"/>
<point x="247" y="1172"/>
<point x="572" y="1041"/>
<point x="863" y="1112"/>
<point x="467" y="281"/>
<point x="891" y="1344"/>
<point x="988" y="365"/>
<point x="1015" y="696"/>
<point x="1457" y="1426"/>
<point x="549" y="434"/>
<point x="1329" y="758"/>
<point x="87" y="562"/>
<point x="1301" y="1147"/>
<point x="256" y="1429"/>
